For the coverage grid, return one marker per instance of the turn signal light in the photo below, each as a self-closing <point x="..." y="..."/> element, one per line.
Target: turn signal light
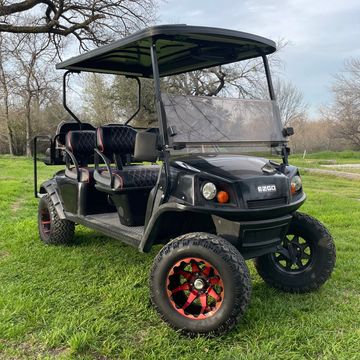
<point x="222" y="197"/>
<point x="296" y="184"/>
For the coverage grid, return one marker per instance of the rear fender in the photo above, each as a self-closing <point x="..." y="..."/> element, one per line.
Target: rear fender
<point x="50" y="187"/>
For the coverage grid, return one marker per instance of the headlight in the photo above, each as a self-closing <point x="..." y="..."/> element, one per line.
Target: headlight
<point x="296" y="184"/>
<point x="209" y="191"/>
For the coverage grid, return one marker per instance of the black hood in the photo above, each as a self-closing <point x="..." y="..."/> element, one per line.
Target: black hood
<point x="232" y="167"/>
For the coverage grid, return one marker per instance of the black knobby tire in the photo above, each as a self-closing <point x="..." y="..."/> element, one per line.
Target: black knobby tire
<point x="52" y="229"/>
<point x="313" y="271"/>
<point x="221" y="261"/>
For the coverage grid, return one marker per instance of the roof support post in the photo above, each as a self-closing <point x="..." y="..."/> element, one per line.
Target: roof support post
<point x="268" y="78"/>
<point x="64" y="96"/>
<point x="162" y="121"/>
<point x="138" y="99"/>
<point x="159" y="104"/>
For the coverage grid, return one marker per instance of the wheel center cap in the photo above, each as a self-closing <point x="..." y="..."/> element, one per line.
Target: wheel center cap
<point x="199" y="284"/>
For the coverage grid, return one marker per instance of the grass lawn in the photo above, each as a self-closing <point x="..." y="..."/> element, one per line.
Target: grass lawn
<point x="91" y="300"/>
<point x="344" y="161"/>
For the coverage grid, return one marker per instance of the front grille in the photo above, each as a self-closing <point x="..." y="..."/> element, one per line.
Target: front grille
<point x="256" y="204"/>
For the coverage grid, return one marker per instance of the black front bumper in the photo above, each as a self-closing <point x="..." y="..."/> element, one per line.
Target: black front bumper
<point x="254" y="232"/>
<point x="238" y="214"/>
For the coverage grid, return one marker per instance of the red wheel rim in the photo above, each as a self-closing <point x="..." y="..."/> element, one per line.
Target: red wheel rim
<point x="195" y="288"/>
<point x="45" y="221"/>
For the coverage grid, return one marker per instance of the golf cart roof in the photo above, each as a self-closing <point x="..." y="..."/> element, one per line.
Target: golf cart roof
<point x="179" y="48"/>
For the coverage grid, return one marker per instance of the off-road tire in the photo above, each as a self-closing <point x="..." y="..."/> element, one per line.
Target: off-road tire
<point x="59" y="231"/>
<point x="231" y="267"/>
<point x="318" y="271"/>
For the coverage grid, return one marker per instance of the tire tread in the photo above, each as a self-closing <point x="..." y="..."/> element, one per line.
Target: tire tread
<point x="61" y="231"/>
<point x="261" y="268"/>
<point x="228" y="253"/>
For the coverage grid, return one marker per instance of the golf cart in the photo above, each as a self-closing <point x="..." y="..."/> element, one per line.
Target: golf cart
<point x="188" y="183"/>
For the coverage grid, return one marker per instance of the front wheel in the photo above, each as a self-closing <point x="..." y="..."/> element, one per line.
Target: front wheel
<point x="305" y="259"/>
<point x="200" y="284"/>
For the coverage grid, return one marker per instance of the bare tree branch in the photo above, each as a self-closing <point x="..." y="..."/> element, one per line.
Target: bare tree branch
<point x="91" y="22"/>
<point x="344" y="112"/>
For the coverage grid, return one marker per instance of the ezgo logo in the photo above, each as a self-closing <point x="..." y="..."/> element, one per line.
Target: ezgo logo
<point x="266" y="188"/>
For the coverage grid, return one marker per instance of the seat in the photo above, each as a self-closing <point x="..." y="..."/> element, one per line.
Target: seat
<point x="118" y="143"/>
<point x="65" y="126"/>
<point x="127" y="185"/>
<point x="79" y="149"/>
<point x="136" y="176"/>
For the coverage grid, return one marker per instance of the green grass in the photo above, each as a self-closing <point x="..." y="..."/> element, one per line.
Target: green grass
<point x="328" y="155"/>
<point x="328" y="160"/>
<point x="91" y="300"/>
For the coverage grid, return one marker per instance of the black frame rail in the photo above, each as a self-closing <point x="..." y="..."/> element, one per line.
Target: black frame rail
<point x="35" y="158"/>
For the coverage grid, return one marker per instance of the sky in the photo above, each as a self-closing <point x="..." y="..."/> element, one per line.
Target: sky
<point x="321" y="34"/>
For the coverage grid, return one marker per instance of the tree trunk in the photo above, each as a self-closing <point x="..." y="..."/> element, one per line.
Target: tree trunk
<point x="3" y="81"/>
<point x="9" y="130"/>
<point x="28" y="124"/>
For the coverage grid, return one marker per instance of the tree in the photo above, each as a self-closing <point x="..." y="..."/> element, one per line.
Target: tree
<point x="124" y="94"/>
<point x="32" y="58"/>
<point x="98" y="103"/>
<point x="345" y="108"/>
<point x="89" y="21"/>
<point x="290" y="101"/>
<point x="243" y="79"/>
<point x="36" y="33"/>
<point x="239" y="80"/>
<point x="5" y="82"/>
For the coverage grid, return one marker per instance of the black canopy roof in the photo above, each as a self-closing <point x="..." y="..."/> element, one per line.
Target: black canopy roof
<point x="180" y="48"/>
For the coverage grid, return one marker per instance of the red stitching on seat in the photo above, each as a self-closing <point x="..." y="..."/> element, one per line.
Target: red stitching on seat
<point x="69" y="138"/>
<point x="100" y="140"/>
<point x="121" y="181"/>
<point x="88" y="175"/>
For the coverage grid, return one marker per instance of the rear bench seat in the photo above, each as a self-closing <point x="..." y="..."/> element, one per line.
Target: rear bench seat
<point x="79" y="148"/>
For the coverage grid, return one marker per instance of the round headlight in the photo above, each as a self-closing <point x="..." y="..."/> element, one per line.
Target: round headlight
<point x="209" y="191"/>
<point x="296" y="184"/>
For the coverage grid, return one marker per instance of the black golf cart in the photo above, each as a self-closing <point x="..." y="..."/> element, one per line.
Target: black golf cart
<point x="188" y="183"/>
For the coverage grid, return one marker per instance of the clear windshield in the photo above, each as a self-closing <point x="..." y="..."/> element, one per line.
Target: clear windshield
<point x="209" y="120"/>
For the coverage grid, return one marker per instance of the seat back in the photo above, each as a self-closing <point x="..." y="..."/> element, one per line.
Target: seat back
<point x="81" y="144"/>
<point x="65" y="126"/>
<point x="117" y="143"/>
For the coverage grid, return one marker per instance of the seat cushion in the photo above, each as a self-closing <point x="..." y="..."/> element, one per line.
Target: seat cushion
<point x="135" y="176"/>
<point x="85" y="174"/>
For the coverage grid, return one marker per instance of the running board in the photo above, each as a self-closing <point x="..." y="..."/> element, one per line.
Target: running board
<point x="107" y="225"/>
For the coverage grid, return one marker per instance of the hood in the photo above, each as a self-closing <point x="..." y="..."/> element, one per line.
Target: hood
<point x="232" y="167"/>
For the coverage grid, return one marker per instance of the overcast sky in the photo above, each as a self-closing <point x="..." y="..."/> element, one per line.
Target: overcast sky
<point x="322" y="34"/>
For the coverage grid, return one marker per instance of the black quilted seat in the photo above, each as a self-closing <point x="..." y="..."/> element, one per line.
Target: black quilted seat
<point x="79" y="147"/>
<point x="136" y="176"/>
<point x="65" y="126"/>
<point x="116" y="142"/>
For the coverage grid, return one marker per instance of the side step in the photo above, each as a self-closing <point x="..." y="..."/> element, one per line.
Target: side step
<point x="109" y="224"/>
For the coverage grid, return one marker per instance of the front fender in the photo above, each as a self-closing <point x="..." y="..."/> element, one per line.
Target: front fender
<point x="173" y="220"/>
<point x="201" y="218"/>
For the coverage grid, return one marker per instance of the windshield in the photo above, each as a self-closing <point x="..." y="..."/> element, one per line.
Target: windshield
<point x="207" y="120"/>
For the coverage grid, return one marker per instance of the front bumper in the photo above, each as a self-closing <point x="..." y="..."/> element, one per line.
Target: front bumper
<point x="237" y="214"/>
<point x="254" y="238"/>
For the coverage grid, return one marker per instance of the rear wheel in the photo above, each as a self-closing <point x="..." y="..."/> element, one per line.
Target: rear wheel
<point x="305" y="260"/>
<point x="200" y="284"/>
<point x="52" y="229"/>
